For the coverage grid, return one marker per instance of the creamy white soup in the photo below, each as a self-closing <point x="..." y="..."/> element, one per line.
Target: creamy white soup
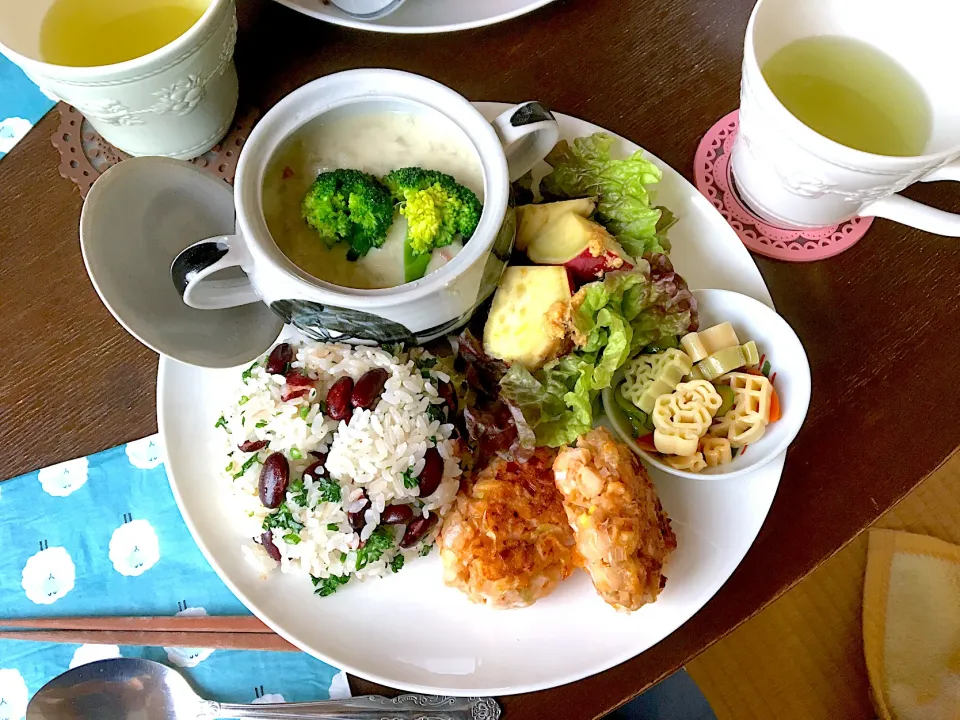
<point x="376" y="143"/>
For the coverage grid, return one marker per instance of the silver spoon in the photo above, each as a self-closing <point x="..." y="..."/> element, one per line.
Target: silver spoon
<point x="134" y="689"/>
<point x="367" y="9"/>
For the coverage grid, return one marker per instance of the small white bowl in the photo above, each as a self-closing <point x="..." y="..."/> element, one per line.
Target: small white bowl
<point x="776" y="339"/>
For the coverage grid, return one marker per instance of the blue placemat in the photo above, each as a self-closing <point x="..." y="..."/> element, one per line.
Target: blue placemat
<point x="103" y="536"/>
<point x="21" y="106"/>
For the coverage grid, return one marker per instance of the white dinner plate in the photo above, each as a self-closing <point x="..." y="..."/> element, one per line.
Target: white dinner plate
<point x="410" y="631"/>
<point x="424" y="16"/>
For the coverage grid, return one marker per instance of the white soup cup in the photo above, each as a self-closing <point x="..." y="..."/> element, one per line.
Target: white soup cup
<point x="414" y="312"/>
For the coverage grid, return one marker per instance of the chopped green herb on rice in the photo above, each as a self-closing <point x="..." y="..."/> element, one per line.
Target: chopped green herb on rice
<point x="370" y="461"/>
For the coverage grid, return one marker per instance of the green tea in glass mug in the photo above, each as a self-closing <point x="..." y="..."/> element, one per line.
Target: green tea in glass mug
<point x="852" y="93"/>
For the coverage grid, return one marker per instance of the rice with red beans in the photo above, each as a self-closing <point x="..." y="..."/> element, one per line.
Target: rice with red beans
<point x="379" y="452"/>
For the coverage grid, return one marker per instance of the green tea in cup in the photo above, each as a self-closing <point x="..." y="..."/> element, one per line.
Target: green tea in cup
<point x="852" y="93"/>
<point x="91" y="33"/>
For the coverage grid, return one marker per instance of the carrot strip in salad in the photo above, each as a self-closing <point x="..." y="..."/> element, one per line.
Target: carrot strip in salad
<point x="774" y="405"/>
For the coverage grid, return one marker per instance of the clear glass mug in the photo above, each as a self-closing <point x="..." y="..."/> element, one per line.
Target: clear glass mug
<point x="792" y="176"/>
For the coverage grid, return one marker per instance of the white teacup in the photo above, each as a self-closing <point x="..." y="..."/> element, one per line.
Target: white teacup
<point x="416" y="311"/>
<point x="794" y="177"/>
<point x="177" y="101"/>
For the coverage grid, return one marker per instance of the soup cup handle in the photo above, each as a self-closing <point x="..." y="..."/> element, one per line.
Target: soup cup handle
<point x="194" y="265"/>
<point x="528" y="132"/>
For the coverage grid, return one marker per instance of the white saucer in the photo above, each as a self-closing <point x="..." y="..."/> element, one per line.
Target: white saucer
<point x="137" y="217"/>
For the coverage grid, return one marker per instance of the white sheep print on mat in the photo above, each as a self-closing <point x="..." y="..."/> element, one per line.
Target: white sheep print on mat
<point x="103" y="536"/>
<point x="22" y="104"/>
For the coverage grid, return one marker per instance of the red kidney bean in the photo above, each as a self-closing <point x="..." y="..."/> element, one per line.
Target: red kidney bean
<point x="449" y="395"/>
<point x="316" y="471"/>
<point x="295" y="378"/>
<point x="252" y="445"/>
<point x="298" y="385"/>
<point x="279" y="358"/>
<point x="292" y="394"/>
<point x="356" y="519"/>
<point x="272" y="550"/>
<point x="432" y="473"/>
<point x="396" y="514"/>
<point x="338" y="399"/>
<point x="274" y="478"/>
<point x="369" y="387"/>
<point x="417" y="529"/>
<point x="322" y="457"/>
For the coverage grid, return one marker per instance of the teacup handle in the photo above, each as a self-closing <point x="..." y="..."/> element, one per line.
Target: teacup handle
<point x="915" y="214"/>
<point x="528" y="132"/>
<point x="192" y="267"/>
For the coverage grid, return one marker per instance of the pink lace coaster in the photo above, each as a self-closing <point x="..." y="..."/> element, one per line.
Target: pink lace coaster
<point x="713" y="178"/>
<point x="85" y="155"/>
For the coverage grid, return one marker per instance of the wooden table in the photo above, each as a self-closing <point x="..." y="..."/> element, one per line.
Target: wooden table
<point x="881" y="322"/>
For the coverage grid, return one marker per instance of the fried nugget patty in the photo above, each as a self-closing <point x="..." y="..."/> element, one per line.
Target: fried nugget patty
<point x="622" y="532"/>
<point x="506" y="542"/>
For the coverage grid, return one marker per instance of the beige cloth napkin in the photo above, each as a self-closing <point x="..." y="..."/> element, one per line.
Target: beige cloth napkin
<point x="911" y="626"/>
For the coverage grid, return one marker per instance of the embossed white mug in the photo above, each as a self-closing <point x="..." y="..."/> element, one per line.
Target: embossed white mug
<point x="794" y="177"/>
<point x="177" y="101"/>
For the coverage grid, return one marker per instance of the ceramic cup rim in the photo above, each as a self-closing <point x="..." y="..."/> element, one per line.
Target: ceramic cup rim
<point x="805" y="136"/>
<point x="185" y="44"/>
<point x="323" y="94"/>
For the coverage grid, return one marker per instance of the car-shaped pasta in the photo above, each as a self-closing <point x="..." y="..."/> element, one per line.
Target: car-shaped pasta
<point x="651" y="375"/>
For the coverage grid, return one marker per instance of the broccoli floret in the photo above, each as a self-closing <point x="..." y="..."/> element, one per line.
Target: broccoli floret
<point x="436" y="207"/>
<point x="349" y="206"/>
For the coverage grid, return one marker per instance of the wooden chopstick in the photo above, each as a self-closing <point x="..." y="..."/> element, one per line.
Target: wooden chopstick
<point x="231" y="632"/>
<point x="194" y="623"/>
<point x="212" y="640"/>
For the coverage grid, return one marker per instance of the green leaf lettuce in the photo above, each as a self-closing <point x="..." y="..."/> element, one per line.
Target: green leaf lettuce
<point x="624" y="207"/>
<point x="614" y="319"/>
